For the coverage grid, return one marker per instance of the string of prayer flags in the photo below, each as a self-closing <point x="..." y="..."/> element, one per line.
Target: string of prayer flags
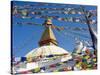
<point x="58" y="11"/>
<point x="66" y="19"/>
<point x="38" y="14"/>
<point x="82" y="63"/>
<point x="28" y="23"/>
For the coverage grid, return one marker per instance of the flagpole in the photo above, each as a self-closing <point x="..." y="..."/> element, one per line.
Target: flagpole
<point x="94" y="39"/>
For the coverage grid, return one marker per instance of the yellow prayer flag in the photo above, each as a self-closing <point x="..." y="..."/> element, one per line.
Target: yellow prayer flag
<point x="29" y="59"/>
<point x="94" y="59"/>
<point x="87" y="57"/>
<point x="37" y="69"/>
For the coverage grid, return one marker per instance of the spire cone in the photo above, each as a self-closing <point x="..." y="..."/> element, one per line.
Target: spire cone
<point x="48" y="37"/>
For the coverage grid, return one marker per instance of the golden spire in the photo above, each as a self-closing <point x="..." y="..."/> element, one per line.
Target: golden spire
<point x="48" y="37"/>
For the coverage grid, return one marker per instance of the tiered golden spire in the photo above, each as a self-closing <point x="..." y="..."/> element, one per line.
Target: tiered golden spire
<point x="48" y="37"/>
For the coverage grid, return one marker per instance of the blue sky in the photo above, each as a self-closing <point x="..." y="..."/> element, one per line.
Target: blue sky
<point x="25" y="38"/>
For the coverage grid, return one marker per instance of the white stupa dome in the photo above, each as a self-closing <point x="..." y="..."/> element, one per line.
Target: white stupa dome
<point x="47" y="50"/>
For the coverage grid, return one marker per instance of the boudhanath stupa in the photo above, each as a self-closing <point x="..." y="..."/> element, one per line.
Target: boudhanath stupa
<point x="71" y="47"/>
<point x="47" y="53"/>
